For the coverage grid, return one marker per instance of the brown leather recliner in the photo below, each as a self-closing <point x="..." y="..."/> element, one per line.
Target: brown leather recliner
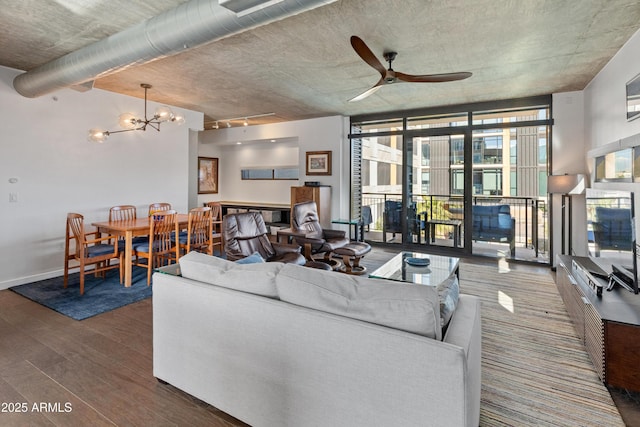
<point x="316" y="240"/>
<point x="246" y="233"/>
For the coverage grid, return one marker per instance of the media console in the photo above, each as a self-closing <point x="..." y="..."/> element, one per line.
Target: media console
<point x="608" y="325"/>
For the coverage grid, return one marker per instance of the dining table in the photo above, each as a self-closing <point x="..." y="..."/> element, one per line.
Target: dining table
<point x="130" y="229"/>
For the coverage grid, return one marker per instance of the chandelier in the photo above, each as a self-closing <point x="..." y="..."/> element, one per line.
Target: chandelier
<point x="129" y="121"/>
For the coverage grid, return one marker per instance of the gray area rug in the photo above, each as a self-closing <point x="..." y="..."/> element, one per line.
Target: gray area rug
<point x="100" y="295"/>
<point x="535" y="371"/>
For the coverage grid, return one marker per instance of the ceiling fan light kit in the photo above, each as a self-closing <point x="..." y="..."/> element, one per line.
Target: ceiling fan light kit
<point x="390" y="76"/>
<point x="129" y="121"/>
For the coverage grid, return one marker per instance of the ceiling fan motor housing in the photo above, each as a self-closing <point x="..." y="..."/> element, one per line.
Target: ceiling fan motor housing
<point x="390" y="75"/>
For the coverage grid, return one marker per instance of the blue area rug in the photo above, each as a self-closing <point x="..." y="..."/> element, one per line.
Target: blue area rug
<point x="100" y="295"/>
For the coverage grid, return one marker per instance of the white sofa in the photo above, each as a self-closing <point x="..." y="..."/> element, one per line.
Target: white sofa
<point x="269" y="362"/>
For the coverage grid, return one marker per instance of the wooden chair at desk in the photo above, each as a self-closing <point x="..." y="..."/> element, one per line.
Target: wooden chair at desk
<point x="198" y="236"/>
<point x="216" y="225"/>
<point x="159" y="249"/>
<point x="96" y="251"/>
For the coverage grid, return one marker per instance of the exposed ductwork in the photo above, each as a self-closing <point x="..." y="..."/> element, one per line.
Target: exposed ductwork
<point x="185" y="27"/>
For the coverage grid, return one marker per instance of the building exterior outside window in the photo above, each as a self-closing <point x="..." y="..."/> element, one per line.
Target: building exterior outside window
<point x="416" y="159"/>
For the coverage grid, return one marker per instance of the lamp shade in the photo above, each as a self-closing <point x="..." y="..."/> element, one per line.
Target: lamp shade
<point x="566" y="184"/>
<point x="163" y="113"/>
<point x="127" y="121"/>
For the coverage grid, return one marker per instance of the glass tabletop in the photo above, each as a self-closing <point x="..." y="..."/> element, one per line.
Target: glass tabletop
<point x="409" y="267"/>
<point x="171" y="269"/>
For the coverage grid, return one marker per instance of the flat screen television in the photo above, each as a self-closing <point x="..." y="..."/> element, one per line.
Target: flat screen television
<point x="611" y="235"/>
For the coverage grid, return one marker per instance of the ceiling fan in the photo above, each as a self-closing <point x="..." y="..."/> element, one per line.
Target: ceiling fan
<point x="389" y="76"/>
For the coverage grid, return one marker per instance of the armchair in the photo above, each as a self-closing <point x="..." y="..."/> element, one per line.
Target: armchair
<point x="246" y="233"/>
<point x="316" y="240"/>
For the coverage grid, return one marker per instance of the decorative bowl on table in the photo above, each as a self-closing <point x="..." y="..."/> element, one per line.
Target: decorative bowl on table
<point x="418" y="262"/>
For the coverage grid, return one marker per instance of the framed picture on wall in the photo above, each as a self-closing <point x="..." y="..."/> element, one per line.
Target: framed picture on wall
<point x="207" y="175"/>
<point x="318" y="162"/>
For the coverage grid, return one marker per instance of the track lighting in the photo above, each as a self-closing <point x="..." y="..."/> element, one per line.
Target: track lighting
<point x="245" y="120"/>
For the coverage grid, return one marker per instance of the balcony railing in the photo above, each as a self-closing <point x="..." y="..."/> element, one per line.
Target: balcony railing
<point x="530" y="214"/>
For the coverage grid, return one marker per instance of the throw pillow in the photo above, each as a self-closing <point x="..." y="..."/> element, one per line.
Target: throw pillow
<point x="254" y="258"/>
<point x="448" y="294"/>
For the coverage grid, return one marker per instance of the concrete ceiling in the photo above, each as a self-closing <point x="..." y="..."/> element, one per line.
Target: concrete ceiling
<point x="304" y="66"/>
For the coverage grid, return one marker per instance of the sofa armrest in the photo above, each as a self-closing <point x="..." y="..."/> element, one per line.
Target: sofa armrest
<point x="465" y="331"/>
<point x="333" y="234"/>
<point x="301" y="240"/>
<point x="283" y="248"/>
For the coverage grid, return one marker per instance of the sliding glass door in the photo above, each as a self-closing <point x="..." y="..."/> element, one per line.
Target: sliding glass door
<point x="436" y="189"/>
<point x="472" y="180"/>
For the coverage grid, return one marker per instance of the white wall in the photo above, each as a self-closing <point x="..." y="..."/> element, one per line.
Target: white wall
<point x="256" y="150"/>
<point x="259" y="154"/>
<point x="568" y="146"/>
<point x="44" y="147"/>
<point x="605" y="106"/>
<point x="605" y="111"/>
<point x="586" y="120"/>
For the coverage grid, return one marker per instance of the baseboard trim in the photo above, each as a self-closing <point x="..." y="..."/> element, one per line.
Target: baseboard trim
<point x="28" y="279"/>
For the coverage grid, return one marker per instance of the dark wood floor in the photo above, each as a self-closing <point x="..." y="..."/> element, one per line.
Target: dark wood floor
<point x="99" y="371"/>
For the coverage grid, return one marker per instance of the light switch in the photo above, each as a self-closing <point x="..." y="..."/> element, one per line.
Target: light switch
<point x="13" y="197"/>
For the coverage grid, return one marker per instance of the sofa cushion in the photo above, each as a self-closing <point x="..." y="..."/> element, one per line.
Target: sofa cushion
<point x="504" y="221"/>
<point x="397" y="305"/>
<point x="257" y="279"/>
<point x="485" y="217"/>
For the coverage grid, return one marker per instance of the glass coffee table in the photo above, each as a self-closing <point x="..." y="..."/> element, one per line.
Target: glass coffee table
<point x="415" y="267"/>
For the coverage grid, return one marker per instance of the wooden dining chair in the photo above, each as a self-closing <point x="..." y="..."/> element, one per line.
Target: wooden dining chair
<point x="125" y="213"/>
<point x="159" y="207"/>
<point x="216" y="226"/>
<point x="88" y="249"/>
<point x="122" y="213"/>
<point x="159" y="249"/>
<point x="198" y="236"/>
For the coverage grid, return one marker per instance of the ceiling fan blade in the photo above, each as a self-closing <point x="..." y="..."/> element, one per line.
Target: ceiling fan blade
<point x="367" y="56"/>
<point x="371" y="91"/>
<point x="432" y="78"/>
